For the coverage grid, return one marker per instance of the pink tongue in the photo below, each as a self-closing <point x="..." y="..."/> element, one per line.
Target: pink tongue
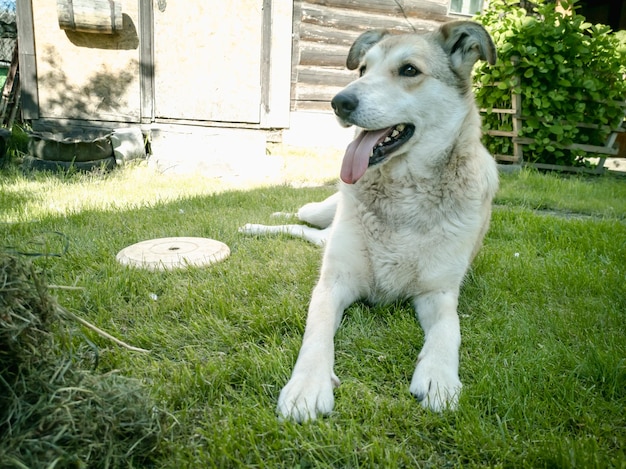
<point x="357" y="156"/>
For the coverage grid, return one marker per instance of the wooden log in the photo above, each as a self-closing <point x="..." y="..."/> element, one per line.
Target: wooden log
<point x="317" y="93"/>
<point x="322" y="55"/>
<point x="434" y="9"/>
<point x="325" y="76"/>
<point x="348" y="20"/>
<point x="90" y="16"/>
<point x="326" y="35"/>
<point x="317" y="106"/>
<point x="506" y="158"/>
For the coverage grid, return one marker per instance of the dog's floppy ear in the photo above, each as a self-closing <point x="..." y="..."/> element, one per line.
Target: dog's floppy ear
<point x="466" y="42"/>
<point x="362" y="44"/>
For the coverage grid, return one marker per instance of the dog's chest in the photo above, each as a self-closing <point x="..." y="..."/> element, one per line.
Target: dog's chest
<point x="410" y="235"/>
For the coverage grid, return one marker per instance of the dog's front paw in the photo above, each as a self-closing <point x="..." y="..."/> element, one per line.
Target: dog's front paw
<point x="306" y="396"/>
<point x="436" y="385"/>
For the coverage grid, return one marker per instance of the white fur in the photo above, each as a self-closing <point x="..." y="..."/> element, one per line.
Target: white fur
<point x="408" y="229"/>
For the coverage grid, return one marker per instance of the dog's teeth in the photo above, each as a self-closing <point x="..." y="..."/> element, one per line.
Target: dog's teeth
<point x="394" y="134"/>
<point x="400" y="128"/>
<point x="388" y="139"/>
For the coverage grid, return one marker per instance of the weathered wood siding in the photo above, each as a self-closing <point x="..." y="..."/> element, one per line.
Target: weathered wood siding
<point x="84" y="75"/>
<point x="324" y="30"/>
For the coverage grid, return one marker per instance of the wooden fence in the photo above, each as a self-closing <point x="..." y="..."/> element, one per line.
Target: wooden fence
<point x="609" y="148"/>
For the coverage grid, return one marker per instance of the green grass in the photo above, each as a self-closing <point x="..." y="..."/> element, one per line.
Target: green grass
<point x="543" y="359"/>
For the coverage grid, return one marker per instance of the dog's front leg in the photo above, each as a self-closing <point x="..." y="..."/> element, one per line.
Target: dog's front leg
<point x="436" y="381"/>
<point x="309" y="392"/>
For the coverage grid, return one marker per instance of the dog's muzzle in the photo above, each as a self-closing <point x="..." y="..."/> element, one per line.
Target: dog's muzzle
<point x="371" y="146"/>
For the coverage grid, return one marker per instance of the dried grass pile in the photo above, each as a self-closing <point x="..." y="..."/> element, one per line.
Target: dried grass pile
<point x="53" y="411"/>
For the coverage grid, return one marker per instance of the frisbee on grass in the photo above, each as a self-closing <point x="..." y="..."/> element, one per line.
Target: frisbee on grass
<point x="173" y="253"/>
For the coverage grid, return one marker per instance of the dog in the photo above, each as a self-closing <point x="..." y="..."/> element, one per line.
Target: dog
<point x="413" y="206"/>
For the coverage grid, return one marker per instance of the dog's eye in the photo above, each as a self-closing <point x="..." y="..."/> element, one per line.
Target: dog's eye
<point x="409" y="71"/>
<point x="362" y="70"/>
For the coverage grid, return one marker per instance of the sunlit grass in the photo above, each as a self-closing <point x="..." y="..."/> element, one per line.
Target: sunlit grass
<point x="142" y="186"/>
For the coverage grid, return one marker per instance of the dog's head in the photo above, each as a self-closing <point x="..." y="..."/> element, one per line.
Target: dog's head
<point x="407" y="84"/>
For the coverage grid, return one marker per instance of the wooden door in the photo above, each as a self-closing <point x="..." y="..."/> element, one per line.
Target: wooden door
<point x="207" y="57"/>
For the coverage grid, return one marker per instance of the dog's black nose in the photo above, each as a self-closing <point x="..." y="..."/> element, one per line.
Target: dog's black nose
<point x="344" y="104"/>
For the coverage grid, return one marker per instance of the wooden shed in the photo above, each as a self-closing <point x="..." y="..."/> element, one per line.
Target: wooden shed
<point x="197" y="64"/>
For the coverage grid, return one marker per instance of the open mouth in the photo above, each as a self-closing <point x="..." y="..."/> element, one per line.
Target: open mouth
<point x="371" y="147"/>
<point x="395" y="137"/>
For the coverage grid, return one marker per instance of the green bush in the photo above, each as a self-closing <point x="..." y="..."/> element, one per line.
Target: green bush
<point x="567" y="71"/>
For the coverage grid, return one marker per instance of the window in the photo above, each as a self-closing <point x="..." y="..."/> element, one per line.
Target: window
<point x="466" y="7"/>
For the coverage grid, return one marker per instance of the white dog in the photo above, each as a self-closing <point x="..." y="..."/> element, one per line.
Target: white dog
<point x="411" y="212"/>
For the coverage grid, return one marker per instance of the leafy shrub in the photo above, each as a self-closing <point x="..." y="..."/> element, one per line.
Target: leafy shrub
<point x="567" y="71"/>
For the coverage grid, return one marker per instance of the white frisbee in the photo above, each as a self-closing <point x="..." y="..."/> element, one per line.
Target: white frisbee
<point x="173" y="253"/>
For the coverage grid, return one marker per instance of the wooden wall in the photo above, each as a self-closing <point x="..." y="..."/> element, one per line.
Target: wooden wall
<point x="83" y="75"/>
<point x="324" y="30"/>
<point x="169" y="62"/>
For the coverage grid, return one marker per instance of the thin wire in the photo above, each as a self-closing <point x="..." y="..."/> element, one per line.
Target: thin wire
<point x="397" y="2"/>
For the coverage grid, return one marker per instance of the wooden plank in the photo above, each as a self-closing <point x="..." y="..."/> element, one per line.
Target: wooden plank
<point x="437" y="10"/>
<point x="146" y="60"/>
<point x="325" y="76"/>
<point x="323" y="55"/>
<point x="348" y="20"/>
<point x="507" y="158"/>
<point x="28" y="65"/>
<point x="306" y="92"/>
<point x="575" y="146"/>
<point x="580" y="125"/>
<point x="498" y="111"/>
<point x="295" y="45"/>
<point x="266" y="48"/>
<point x="604" y="150"/>
<point x="318" y="106"/>
<point x="516" y="106"/>
<point x="571" y="169"/>
<point x="326" y="35"/>
<point x="276" y="80"/>
<point x="501" y="133"/>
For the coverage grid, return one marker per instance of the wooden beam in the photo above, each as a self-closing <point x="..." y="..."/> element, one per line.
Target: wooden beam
<point x="28" y="64"/>
<point x="146" y="60"/>
<point x="357" y="20"/>
<point x="436" y="10"/>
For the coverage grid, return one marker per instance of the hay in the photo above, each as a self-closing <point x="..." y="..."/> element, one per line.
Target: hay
<point x="52" y="412"/>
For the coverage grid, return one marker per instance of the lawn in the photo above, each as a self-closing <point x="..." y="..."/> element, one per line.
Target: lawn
<point x="543" y="359"/>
